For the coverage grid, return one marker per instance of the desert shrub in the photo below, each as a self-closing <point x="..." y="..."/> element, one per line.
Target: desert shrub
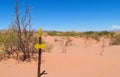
<point x="103" y="33"/>
<point x="98" y="35"/>
<point x="19" y="39"/>
<point x="2" y="52"/>
<point x="116" y="40"/>
<point x="56" y="33"/>
<point x="10" y="44"/>
<point x="64" y="43"/>
<point x="24" y="36"/>
<point x="52" y="33"/>
<point x="69" y="34"/>
<point x="48" y="48"/>
<point x="106" y="33"/>
<point x="95" y="36"/>
<point x="7" y="42"/>
<point x="56" y="40"/>
<point x="87" y="34"/>
<point x="91" y="34"/>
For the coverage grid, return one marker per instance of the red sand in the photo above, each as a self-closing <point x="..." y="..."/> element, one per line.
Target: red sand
<point x="79" y="61"/>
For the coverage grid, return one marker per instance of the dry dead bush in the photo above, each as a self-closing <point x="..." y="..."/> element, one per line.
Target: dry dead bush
<point x="64" y="42"/>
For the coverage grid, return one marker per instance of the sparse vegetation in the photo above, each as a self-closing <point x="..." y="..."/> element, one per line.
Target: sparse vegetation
<point x="14" y="45"/>
<point x="89" y="34"/>
<point x="52" y="33"/>
<point x="56" y="33"/>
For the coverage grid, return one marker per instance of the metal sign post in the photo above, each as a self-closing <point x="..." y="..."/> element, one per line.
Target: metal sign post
<point x="40" y="46"/>
<point x="39" y="58"/>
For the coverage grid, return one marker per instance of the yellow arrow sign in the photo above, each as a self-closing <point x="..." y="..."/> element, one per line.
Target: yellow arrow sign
<point x="40" y="32"/>
<point x="41" y="46"/>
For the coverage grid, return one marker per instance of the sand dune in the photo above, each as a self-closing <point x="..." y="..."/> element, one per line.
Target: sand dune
<point x="78" y="61"/>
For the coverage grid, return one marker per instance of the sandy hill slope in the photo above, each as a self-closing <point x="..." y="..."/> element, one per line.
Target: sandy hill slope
<point x="78" y="61"/>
